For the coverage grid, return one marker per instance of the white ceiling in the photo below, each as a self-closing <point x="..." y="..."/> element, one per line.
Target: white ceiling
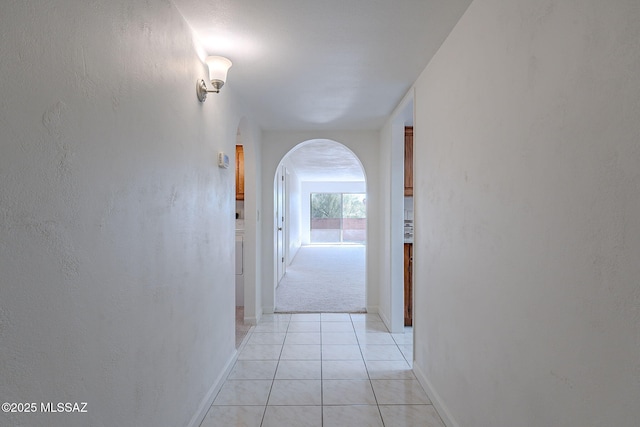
<point x="325" y="160"/>
<point x="322" y="64"/>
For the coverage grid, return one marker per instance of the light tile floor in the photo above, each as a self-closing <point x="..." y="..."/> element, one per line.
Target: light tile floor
<point x="325" y="370"/>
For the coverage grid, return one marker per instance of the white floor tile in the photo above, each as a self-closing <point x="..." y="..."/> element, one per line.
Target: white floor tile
<point x="344" y="370"/>
<point x="253" y="370"/>
<point x="335" y="317"/>
<point x="260" y="352"/>
<point x="410" y="416"/>
<point x="304" y="327"/>
<point x="296" y="393"/>
<point x="381" y="352"/>
<point x="374" y="338"/>
<point x="370" y="326"/>
<point x="225" y="416"/>
<point x="275" y="317"/>
<point x="361" y="317"/>
<point x="337" y="327"/>
<point x="389" y="370"/>
<point x="403" y="339"/>
<point x="299" y="370"/>
<point x="305" y="317"/>
<point x="301" y="352"/>
<point x="399" y="392"/>
<point x="266" y="338"/>
<point x="341" y="352"/>
<point x="360" y="416"/>
<point x="407" y="352"/>
<point x="347" y="392"/>
<point x="320" y="370"/>
<point x="243" y="392"/>
<point x="271" y="327"/>
<point x="339" y="338"/>
<point x="303" y="338"/>
<point x="298" y="416"/>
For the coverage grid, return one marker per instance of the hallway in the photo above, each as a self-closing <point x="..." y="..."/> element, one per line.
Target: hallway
<point x="329" y="369"/>
<point x="119" y="184"/>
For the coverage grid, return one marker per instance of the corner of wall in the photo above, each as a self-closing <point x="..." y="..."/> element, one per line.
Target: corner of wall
<point x="435" y="398"/>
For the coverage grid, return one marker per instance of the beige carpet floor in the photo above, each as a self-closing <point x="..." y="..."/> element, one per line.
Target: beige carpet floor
<point x="324" y="278"/>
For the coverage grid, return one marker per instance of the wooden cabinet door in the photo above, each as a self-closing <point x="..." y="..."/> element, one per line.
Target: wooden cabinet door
<point x="408" y="284"/>
<point x="408" y="161"/>
<point x="239" y="172"/>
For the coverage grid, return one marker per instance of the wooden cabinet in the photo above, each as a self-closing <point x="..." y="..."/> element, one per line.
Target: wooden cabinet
<point x="408" y="161"/>
<point x="408" y="284"/>
<point x="239" y="172"/>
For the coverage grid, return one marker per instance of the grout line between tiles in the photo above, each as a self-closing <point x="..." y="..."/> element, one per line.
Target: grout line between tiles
<point x="368" y="375"/>
<point x="266" y="405"/>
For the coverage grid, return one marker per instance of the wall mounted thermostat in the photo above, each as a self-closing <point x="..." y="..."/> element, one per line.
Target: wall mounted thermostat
<point x="223" y="160"/>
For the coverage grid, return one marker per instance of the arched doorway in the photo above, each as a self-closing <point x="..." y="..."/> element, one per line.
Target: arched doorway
<point x="320" y="220"/>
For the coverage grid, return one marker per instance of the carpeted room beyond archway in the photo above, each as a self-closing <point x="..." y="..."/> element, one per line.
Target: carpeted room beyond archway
<point x="324" y="278"/>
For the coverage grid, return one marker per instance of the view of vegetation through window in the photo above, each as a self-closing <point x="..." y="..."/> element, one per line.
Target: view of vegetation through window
<point x="338" y="217"/>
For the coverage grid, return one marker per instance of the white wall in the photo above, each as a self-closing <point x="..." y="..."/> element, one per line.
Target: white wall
<point x="527" y="216"/>
<point x="116" y="230"/>
<point x="364" y="144"/>
<point x="391" y="266"/>
<point x="252" y="221"/>
<point x="309" y="187"/>
<point x="293" y="211"/>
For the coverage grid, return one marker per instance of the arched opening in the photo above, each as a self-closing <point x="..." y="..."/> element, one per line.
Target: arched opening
<point x="320" y="229"/>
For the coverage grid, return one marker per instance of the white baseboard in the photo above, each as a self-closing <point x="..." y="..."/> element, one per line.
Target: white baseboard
<point x="206" y="403"/>
<point x="444" y="413"/>
<point x="385" y="319"/>
<point x="268" y="310"/>
<point x="373" y="309"/>
<point x="253" y="320"/>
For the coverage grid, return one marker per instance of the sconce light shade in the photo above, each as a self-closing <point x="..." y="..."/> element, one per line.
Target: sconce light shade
<point x="218" y="67"/>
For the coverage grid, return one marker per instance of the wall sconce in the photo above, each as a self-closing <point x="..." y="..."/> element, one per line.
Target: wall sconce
<point x="218" y="67"/>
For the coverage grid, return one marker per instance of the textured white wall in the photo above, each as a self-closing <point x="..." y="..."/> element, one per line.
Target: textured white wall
<point x="527" y="216"/>
<point x="275" y="145"/>
<point x="116" y="225"/>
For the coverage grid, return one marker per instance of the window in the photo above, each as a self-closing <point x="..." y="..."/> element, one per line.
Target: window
<point x="338" y="218"/>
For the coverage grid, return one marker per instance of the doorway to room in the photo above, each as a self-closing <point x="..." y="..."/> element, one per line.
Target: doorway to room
<point x="320" y="230"/>
<point x="246" y="221"/>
